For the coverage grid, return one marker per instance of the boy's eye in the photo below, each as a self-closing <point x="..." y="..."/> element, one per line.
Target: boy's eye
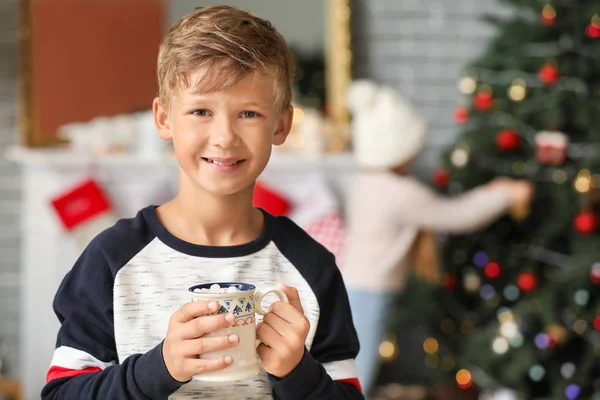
<point x="200" y="113"/>
<point x="250" y="114"/>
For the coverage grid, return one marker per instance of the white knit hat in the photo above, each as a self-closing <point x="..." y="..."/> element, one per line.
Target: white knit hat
<point x="387" y="130"/>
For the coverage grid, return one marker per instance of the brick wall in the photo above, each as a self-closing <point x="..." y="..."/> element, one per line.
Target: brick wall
<point x="420" y="47"/>
<point x="9" y="192"/>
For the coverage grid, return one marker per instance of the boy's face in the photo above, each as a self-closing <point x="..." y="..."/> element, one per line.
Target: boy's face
<point x="223" y="140"/>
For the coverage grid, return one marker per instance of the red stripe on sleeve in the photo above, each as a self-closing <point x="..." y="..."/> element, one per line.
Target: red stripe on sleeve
<point x="351" y="381"/>
<point x="60" y="372"/>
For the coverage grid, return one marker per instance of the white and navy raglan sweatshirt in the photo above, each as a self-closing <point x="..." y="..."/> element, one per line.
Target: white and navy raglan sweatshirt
<point x="114" y="308"/>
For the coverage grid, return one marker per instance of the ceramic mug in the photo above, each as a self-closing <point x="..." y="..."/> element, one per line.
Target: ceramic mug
<point x="243" y="304"/>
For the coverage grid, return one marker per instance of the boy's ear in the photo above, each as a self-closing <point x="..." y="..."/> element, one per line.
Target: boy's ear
<point x="161" y="119"/>
<point x="284" y="126"/>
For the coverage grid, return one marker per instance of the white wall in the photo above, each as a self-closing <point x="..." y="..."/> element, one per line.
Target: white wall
<point x="301" y="22"/>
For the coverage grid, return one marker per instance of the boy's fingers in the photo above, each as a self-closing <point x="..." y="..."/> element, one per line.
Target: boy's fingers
<point x="206" y="324"/>
<point x="293" y="297"/>
<point x="202" y="366"/>
<point x="210" y="344"/>
<point x="189" y="311"/>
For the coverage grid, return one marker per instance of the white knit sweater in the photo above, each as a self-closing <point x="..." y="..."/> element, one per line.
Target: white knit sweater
<point x="386" y="212"/>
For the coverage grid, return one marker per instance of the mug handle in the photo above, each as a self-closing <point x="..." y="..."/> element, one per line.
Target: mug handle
<point x="258" y="297"/>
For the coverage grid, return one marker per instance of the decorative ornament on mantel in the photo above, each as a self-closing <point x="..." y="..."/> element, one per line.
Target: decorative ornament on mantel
<point x="84" y="210"/>
<point x="551" y="148"/>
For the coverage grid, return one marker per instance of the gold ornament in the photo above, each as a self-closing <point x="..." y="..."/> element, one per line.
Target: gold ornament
<point x="519" y="212"/>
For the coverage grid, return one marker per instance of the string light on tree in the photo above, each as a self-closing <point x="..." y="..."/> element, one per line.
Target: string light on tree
<point x="460" y="156"/>
<point x="537" y="373"/>
<point x="464" y="379"/>
<point x="518" y="90"/>
<point x="567" y="370"/>
<point x="583" y="182"/>
<point x="549" y="74"/>
<point x="581" y="297"/>
<point x="509" y="330"/>
<point x="580" y="326"/>
<point x="572" y="392"/>
<point x="471" y="282"/>
<point x="388" y="349"/>
<point x="430" y="346"/>
<point x="548" y="15"/>
<point x="467" y="85"/>
<point x="500" y="345"/>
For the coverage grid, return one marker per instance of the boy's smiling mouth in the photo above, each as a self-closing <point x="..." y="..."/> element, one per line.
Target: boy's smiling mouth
<point x="224" y="164"/>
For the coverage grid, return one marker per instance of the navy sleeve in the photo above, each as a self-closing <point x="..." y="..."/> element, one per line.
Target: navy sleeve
<point x="85" y="364"/>
<point x="327" y="371"/>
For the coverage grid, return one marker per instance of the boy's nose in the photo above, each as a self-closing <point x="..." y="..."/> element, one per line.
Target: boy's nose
<point x="224" y="135"/>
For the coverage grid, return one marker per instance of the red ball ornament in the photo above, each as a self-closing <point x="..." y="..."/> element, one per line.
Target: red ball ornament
<point x="461" y="115"/>
<point x="508" y="140"/>
<point x="527" y="281"/>
<point x="548" y="20"/>
<point x="483" y="101"/>
<point x="492" y="270"/>
<point x="586" y="222"/>
<point x="597" y="323"/>
<point x="593" y="31"/>
<point x="548" y="15"/>
<point x="441" y="177"/>
<point x="549" y="74"/>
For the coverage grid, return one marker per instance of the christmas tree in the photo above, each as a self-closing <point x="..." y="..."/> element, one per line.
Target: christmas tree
<point x="519" y="306"/>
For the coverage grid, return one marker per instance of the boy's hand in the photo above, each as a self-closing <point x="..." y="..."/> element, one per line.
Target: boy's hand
<point x="283" y="333"/>
<point x="184" y="341"/>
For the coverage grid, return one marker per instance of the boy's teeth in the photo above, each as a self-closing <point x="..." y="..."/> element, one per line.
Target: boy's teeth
<point x="221" y="163"/>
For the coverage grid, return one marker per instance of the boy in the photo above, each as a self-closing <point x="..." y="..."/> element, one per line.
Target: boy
<point x="224" y="100"/>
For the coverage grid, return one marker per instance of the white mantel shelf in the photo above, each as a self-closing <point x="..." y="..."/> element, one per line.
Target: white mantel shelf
<point x="63" y="158"/>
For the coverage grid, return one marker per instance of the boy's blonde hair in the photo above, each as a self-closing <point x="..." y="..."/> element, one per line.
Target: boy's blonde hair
<point x="227" y="43"/>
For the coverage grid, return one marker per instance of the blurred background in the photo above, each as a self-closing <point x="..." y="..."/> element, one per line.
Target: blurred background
<point x="77" y="78"/>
